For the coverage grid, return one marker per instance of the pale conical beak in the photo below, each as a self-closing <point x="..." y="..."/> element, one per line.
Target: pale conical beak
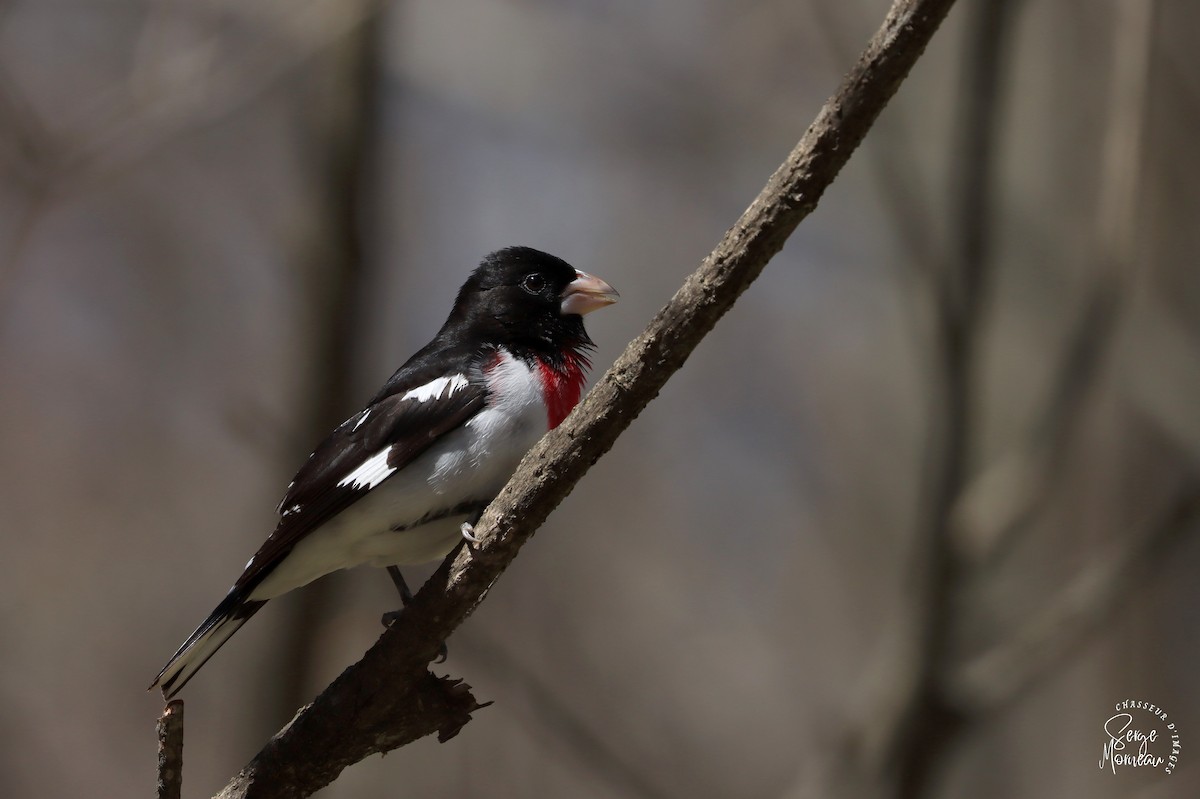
<point x="585" y="294"/>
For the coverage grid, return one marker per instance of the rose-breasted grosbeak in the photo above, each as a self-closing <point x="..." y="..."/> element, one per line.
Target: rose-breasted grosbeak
<point x="403" y="479"/>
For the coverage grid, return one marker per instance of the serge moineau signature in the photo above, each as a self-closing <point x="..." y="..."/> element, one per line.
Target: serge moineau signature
<point x="1135" y="746"/>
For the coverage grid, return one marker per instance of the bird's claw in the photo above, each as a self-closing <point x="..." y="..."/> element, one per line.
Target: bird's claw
<point x="468" y="532"/>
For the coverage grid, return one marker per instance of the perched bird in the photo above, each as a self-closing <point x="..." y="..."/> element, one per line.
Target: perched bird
<point x="402" y="480"/>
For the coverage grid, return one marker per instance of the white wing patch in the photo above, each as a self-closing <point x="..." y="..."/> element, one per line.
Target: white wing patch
<point x="434" y="388"/>
<point x="373" y="471"/>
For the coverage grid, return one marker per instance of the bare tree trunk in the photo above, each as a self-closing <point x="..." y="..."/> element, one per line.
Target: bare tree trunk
<point x="930" y="724"/>
<point x="336" y="282"/>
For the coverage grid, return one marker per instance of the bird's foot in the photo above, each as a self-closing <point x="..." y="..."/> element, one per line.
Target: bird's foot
<point x="468" y="532"/>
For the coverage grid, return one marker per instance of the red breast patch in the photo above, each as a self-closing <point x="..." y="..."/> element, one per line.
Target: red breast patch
<point x="561" y="387"/>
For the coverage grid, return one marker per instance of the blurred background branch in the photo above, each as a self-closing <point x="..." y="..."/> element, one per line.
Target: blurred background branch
<point x="1005" y="498"/>
<point x="928" y="704"/>
<point x="562" y="726"/>
<point x="907" y="750"/>
<point x="1075" y="613"/>
<point x="181" y="80"/>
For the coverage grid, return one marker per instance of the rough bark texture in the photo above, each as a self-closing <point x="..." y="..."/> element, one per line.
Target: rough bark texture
<point x="170" y="751"/>
<point x="388" y="698"/>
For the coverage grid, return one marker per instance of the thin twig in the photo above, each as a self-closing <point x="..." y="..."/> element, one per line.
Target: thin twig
<point x="375" y="705"/>
<point x="170" y="750"/>
<point x="126" y="130"/>
<point x="1003" y="501"/>
<point x="915" y="726"/>
<point x="14" y="250"/>
<point x="195" y="89"/>
<point x="1013" y="664"/>
<point x="1001" y="674"/>
<point x="565" y="726"/>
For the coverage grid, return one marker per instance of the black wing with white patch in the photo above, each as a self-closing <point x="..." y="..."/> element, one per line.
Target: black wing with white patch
<point x="403" y="421"/>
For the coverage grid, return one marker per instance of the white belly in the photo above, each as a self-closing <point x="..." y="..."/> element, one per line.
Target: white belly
<point x="469" y="465"/>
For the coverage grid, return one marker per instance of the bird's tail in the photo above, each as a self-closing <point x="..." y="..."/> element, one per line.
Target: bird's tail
<point x="223" y="622"/>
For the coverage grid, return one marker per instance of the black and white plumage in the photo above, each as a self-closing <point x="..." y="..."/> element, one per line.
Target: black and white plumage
<point x="395" y="483"/>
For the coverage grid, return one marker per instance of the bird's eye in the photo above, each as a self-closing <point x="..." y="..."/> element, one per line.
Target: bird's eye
<point x="534" y="283"/>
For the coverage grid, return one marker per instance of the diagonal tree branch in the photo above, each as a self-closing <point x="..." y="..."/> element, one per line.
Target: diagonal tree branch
<point x="388" y="698"/>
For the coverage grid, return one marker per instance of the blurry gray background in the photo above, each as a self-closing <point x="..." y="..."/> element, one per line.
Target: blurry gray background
<point x="224" y="222"/>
